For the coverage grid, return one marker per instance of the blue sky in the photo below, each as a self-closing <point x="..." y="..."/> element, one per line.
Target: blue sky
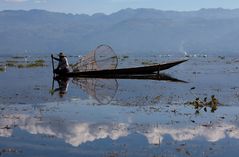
<point x="109" y="6"/>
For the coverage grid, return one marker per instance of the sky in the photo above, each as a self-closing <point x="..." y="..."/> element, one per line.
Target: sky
<point x="109" y="6"/>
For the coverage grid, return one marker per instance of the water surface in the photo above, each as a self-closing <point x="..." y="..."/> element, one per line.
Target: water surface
<point x="121" y="117"/>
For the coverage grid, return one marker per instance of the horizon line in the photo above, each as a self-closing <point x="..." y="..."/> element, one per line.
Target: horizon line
<point x="52" y="11"/>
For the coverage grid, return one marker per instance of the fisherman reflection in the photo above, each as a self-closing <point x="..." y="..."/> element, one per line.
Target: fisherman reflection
<point x="63" y="84"/>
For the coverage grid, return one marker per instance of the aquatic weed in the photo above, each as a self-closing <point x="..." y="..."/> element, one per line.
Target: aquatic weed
<point x="148" y="63"/>
<point x="123" y="58"/>
<point x="25" y="64"/>
<point x="20" y="66"/>
<point x="11" y="65"/>
<point x="12" y="61"/>
<point x="1" y="69"/>
<point x="18" y="57"/>
<point x="36" y="63"/>
<point x="39" y="61"/>
<point x="32" y="65"/>
<point x="203" y="104"/>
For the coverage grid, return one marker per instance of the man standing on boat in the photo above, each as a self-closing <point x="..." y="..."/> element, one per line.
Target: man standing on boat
<point x="63" y="65"/>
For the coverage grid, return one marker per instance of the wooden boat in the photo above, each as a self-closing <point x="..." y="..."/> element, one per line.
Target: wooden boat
<point x="124" y="71"/>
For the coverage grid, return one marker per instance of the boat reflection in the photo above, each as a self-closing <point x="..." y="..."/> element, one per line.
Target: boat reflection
<point x="104" y="89"/>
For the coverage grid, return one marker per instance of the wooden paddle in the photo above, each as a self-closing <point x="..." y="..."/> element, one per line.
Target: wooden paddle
<point x="53" y="80"/>
<point x="52" y="62"/>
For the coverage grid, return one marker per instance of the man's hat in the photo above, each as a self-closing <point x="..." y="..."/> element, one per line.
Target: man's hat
<point x="61" y="54"/>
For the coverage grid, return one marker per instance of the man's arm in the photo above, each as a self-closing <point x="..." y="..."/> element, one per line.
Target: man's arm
<point x="55" y="58"/>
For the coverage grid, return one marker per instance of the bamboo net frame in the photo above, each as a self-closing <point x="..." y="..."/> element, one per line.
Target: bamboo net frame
<point x="101" y="58"/>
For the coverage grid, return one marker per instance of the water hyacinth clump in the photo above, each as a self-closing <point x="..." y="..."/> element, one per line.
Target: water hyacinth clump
<point x="203" y="104"/>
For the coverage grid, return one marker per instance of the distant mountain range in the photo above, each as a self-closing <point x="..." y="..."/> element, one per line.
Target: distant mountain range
<point x="213" y="31"/>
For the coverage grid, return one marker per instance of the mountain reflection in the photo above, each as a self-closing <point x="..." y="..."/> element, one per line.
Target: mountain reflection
<point x="77" y="133"/>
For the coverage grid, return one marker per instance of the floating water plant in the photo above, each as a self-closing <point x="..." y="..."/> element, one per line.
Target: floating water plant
<point x="221" y="57"/>
<point x="125" y="57"/>
<point x="39" y="61"/>
<point x="11" y="64"/>
<point x="204" y="104"/>
<point x="18" y="57"/>
<point x="20" y="64"/>
<point x="12" y="61"/>
<point x="148" y="63"/>
<point x="1" y="69"/>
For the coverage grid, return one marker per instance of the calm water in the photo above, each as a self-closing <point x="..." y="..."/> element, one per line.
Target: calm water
<point x="120" y="117"/>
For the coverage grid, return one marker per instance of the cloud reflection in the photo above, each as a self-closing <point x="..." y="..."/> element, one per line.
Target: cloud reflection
<point x="76" y="133"/>
<point x="211" y="133"/>
<point x="72" y="132"/>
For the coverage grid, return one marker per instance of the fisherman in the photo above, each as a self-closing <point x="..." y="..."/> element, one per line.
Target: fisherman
<point x="63" y="65"/>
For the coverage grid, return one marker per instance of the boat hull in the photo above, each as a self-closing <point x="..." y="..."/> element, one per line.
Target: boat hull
<point x="125" y="71"/>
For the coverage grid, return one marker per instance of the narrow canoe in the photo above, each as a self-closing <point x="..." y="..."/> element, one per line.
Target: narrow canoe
<point x="124" y="71"/>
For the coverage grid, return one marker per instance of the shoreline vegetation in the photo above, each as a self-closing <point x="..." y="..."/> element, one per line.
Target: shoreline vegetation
<point x="24" y="64"/>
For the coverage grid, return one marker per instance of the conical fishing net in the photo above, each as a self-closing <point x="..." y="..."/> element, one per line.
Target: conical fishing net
<point x="101" y="58"/>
